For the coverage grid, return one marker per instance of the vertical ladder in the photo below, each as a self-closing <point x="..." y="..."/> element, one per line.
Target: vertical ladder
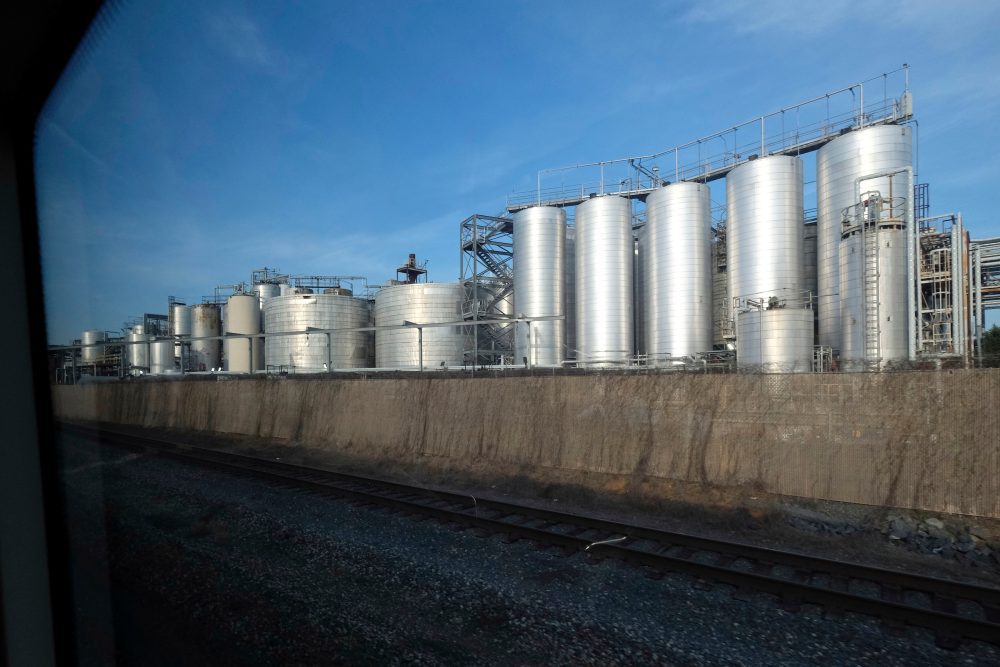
<point x="870" y="288"/>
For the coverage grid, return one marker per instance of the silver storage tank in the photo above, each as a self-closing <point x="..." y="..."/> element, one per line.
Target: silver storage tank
<point x="266" y="291"/>
<point x="206" y="320"/>
<point x="776" y="340"/>
<point x="873" y="296"/>
<point x="180" y="320"/>
<point x="137" y="341"/>
<point x="180" y="326"/>
<point x="605" y="253"/>
<point x="838" y="164"/>
<point x="764" y="258"/>
<point x="90" y="355"/>
<point x="764" y="229"/>
<point x="539" y="274"/>
<point x="161" y="356"/>
<point x="421" y="303"/>
<point x="677" y="261"/>
<point x="310" y="353"/>
<point x="243" y="316"/>
<point x="639" y="291"/>
<point x="569" y="290"/>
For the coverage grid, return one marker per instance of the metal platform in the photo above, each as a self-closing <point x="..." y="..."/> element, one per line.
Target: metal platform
<point x="777" y="133"/>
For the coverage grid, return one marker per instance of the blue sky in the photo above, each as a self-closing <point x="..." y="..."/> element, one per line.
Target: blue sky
<point x="193" y="142"/>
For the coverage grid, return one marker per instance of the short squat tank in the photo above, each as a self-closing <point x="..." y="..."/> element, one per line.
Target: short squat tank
<point x="90" y="355"/>
<point x="605" y="253"/>
<point x="539" y="274"/>
<point x="267" y="290"/>
<point x="677" y="262"/>
<point x="873" y="295"/>
<point x="161" y="356"/>
<point x="206" y="320"/>
<point x="776" y="340"/>
<point x="838" y="164"/>
<point x="316" y="352"/>
<point x="243" y="316"/>
<point x="420" y="303"/>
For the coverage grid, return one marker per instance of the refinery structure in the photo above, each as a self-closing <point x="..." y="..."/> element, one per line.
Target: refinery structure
<point x="638" y="263"/>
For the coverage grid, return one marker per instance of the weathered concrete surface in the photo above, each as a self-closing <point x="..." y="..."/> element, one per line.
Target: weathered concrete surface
<point x="917" y="440"/>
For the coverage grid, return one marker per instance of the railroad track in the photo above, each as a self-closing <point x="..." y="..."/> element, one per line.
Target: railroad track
<point x="953" y="611"/>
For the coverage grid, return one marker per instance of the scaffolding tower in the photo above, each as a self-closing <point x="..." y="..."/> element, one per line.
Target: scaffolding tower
<point x="943" y="274"/>
<point x="487" y="250"/>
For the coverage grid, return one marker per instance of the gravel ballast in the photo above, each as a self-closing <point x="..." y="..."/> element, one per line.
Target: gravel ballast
<point x="207" y="568"/>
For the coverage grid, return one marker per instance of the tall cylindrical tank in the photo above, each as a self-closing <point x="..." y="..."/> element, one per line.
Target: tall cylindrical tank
<point x="605" y="253"/>
<point x="838" y="164"/>
<point x="420" y="303"/>
<point x="569" y="290"/>
<point x="639" y="290"/>
<point x="90" y="355"/>
<point x="206" y="320"/>
<point x="764" y="230"/>
<point x="316" y="352"/>
<point x="539" y="273"/>
<point x="764" y="260"/>
<point x="873" y="296"/>
<point x="776" y="340"/>
<point x="137" y="342"/>
<point x="161" y="356"/>
<point x="243" y="316"/>
<point x="677" y="262"/>
<point x="180" y="326"/>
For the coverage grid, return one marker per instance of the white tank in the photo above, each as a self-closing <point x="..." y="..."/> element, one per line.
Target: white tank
<point x="605" y="253"/>
<point x="90" y="355"/>
<point x="539" y="275"/>
<point x="677" y="262"/>
<point x="206" y="320"/>
<point x="161" y="357"/>
<point x="243" y="316"/>
<point x="315" y="352"/>
<point x="778" y="340"/>
<point x="422" y="303"/>
<point x="838" y="164"/>
<point x="180" y="326"/>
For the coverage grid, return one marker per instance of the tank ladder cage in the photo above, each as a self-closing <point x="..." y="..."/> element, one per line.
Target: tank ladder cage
<point x="796" y="129"/>
<point x="868" y="217"/>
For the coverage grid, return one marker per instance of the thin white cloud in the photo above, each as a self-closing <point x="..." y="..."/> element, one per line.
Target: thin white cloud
<point x="241" y="39"/>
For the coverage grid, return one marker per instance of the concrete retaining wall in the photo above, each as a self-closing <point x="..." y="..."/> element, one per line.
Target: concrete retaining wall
<point x="918" y="440"/>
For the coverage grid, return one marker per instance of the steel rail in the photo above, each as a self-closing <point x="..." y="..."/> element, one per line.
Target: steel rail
<point x="617" y="540"/>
